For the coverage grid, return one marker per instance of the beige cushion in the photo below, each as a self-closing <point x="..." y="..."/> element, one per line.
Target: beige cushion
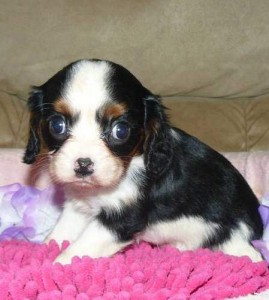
<point x="203" y="53"/>
<point x="206" y="48"/>
<point x="13" y="118"/>
<point x="226" y="125"/>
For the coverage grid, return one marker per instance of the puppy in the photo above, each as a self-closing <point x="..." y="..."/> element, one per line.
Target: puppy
<point x="128" y="175"/>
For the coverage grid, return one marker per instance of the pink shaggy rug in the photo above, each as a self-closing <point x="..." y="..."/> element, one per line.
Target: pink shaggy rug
<point x="142" y="272"/>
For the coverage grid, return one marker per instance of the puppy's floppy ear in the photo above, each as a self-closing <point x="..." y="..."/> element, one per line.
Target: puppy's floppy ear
<point x="35" y="106"/>
<point x="158" y="147"/>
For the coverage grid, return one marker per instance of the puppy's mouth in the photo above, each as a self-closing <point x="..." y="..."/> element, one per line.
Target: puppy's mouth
<point x="81" y="189"/>
<point x="82" y="183"/>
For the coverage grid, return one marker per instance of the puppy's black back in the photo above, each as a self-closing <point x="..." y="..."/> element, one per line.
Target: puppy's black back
<point x="201" y="182"/>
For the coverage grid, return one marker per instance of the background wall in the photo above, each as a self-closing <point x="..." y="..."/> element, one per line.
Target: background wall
<point x="191" y="51"/>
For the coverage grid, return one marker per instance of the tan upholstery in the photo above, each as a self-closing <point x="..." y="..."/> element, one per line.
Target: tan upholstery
<point x="210" y="57"/>
<point x="227" y="125"/>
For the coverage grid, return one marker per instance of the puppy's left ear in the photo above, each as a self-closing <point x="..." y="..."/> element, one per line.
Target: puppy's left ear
<point x="158" y="147"/>
<point x="35" y="106"/>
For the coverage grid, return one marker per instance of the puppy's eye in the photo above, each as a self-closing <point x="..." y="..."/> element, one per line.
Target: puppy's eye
<point x="120" y="132"/>
<point x="57" y="127"/>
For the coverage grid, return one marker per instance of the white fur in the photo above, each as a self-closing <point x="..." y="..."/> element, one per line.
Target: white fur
<point x="238" y="244"/>
<point x="95" y="241"/>
<point x="70" y="225"/>
<point x="186" y="233"/>
<point x="87" y="90"/>
<point x="189" y="233"/>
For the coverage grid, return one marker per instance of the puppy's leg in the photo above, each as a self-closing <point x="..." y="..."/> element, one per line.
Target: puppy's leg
<point x="239" y="245"/>
<point x="71" y="223"/>
<point x="241" y="248"/>
<point x="95" y="241"/>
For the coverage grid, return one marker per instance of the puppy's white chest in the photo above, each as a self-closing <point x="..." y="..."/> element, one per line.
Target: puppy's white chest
<point x="185" y="233"/>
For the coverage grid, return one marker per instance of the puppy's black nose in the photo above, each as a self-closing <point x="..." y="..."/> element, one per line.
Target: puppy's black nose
<point x="84" y="162"/>
<point x="83" y="167"/>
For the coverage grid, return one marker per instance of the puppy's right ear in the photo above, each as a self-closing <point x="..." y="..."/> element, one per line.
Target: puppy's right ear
<point x="158" y="145"/>
<point x="35" y="105"/>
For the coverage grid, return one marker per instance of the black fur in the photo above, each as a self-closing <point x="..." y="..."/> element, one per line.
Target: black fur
<point x="35" y="104"/>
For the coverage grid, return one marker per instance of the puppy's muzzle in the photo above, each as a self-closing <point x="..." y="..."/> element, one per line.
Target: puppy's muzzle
<point x="83" y="167"/>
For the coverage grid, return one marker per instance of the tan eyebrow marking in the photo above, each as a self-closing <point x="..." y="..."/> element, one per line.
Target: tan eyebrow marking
<point x="62" y="107"/>
<point x="114" y="110"/>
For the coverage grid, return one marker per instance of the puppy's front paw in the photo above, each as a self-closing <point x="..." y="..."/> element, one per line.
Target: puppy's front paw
<point x="58" y="239"/>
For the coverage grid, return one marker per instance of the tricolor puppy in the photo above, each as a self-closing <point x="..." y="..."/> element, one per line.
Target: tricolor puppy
<point x="128" y="175"/>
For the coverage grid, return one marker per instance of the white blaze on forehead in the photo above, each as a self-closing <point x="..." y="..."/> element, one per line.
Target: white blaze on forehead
<point x="87" y="88"/>
<point x="85" y="93"/>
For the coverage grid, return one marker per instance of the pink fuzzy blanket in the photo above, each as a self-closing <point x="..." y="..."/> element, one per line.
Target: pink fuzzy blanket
<point x="141" y="272"/>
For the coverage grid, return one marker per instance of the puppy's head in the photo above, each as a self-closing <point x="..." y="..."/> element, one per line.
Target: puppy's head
<point x="93" y="118"/>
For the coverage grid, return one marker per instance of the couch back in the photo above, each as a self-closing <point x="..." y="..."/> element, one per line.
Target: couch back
<point x="208" y="59"/>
